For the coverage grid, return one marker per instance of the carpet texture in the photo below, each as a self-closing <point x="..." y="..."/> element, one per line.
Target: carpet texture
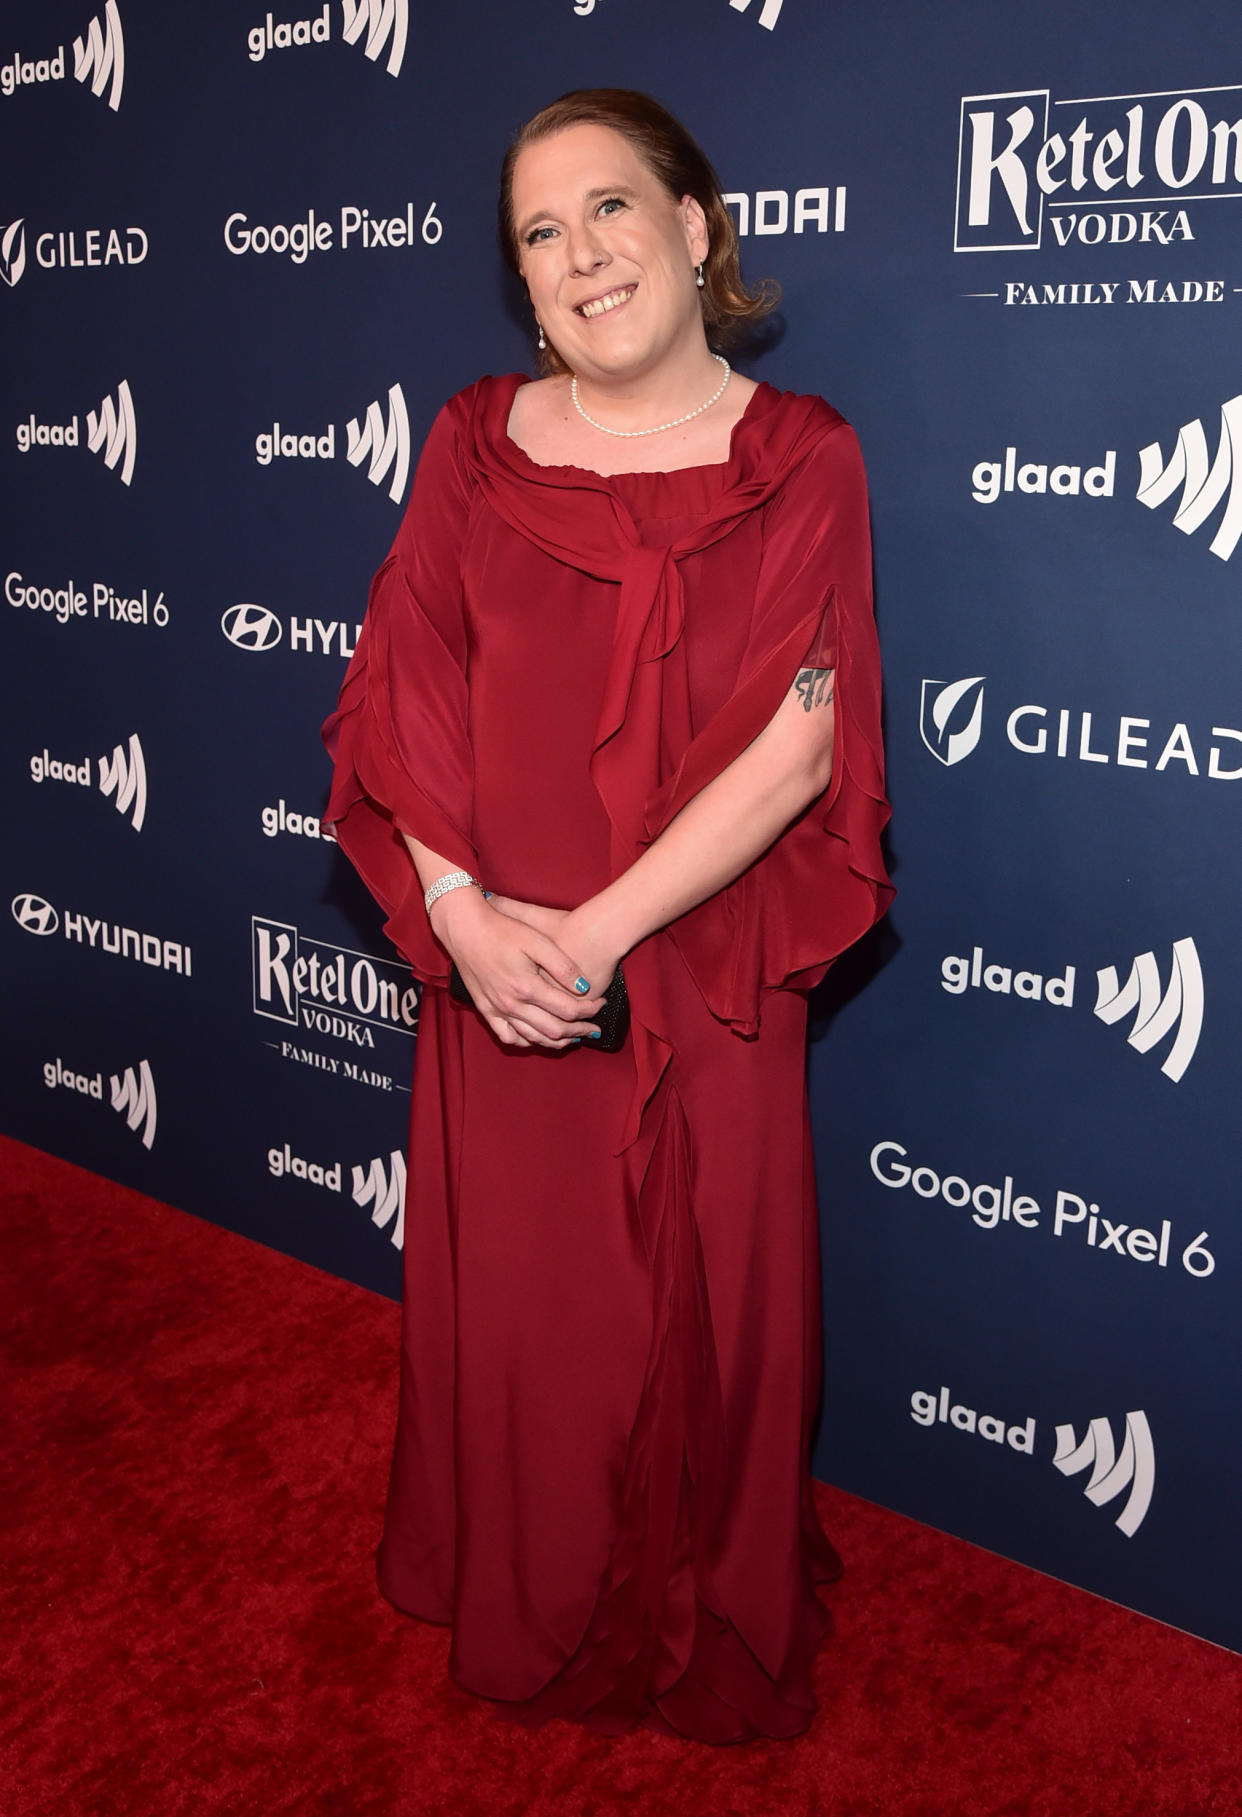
<point x="192" y="1470"/>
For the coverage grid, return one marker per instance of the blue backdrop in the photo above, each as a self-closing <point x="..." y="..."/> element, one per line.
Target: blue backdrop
<point x="246" y="254"/>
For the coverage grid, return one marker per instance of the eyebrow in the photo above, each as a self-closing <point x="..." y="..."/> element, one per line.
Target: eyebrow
<point x="592" y="195"/>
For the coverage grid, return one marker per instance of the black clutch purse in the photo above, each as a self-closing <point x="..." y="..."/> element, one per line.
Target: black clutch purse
<point x="613" y="1020"/>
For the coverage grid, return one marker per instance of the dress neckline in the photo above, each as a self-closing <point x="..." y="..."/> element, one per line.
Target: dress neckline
<point x="655" y="473"/>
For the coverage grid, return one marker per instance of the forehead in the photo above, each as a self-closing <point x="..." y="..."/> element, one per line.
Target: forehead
<point x="561" y="169"/>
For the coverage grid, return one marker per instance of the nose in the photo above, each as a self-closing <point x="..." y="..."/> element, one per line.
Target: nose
<point x="586" y="254"/>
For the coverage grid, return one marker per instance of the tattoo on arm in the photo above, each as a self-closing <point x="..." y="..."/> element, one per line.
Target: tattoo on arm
<point x="815" y="687"/>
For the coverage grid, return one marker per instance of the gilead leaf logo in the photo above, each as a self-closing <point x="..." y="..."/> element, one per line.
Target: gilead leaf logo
<point x="951" y="717"/>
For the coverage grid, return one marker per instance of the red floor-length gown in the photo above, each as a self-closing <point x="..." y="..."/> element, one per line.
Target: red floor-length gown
<point x="611" y="1329"/>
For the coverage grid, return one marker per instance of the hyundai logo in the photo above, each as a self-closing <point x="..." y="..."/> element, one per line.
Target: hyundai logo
<point x="35" y="914"/>
<point x="252" y="627"/>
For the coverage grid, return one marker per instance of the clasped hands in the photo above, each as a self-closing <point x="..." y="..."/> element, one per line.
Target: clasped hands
<point x="522" y="964"/>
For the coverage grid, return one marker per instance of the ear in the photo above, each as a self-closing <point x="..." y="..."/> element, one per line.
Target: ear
<point x="694" y="221"/>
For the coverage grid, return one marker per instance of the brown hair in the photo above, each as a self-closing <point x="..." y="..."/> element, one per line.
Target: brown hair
<point x="668" y="150"/>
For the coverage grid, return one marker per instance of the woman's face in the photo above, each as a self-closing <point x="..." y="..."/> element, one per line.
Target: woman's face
<point x="608" y="256"/>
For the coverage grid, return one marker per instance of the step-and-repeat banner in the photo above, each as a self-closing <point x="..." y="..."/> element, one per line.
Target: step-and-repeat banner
<point x="246" y="253"/>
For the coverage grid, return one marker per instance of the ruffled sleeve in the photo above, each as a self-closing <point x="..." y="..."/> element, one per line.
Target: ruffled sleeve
<point x="823" y="883"/>
<point x="398" y="737"/>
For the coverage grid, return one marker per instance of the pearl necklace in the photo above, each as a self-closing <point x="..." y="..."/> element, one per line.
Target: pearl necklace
<point x="659" y="427"/>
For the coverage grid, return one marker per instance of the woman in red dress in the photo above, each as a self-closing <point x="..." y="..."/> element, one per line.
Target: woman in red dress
<point x="616" y="700"/>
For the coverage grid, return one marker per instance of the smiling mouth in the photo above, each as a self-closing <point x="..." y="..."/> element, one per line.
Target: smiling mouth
<point x="603" y="305"/>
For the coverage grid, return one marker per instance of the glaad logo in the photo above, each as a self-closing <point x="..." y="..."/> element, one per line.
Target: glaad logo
<point x="1161" y="149"/>
<point x="379" y="1182"/>
<point x="123" y="774"/>
<point x="1203" y="485"/>
<point x="101" y="54"/>
<point x="112" y="431"/>
<point x="126" y="776"/>
<point x="383" y="444"/>
<point x="1110" y="1474"/>
<point x="134" y="1095"/>
<point x="13" y="252"/>
<point x="1180" y="1006"/>
<point x="382" y="441"/>
<point x="98" y="57"/>
<point x="951" y="717"/>
<point x="384" y="22"/>
<point x="384" y="1187"/>
<point x="1155" y="1014"/>
<point x="769" y="12"/>
<point x="115" y="432"/>
<point x="35" y="914"/>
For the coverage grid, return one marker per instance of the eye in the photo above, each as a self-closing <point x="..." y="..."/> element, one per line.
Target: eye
<point x="610" y="203"/>
<point x="535" y="236"/>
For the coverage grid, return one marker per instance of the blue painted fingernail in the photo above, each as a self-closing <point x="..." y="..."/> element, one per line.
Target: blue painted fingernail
<point x="597" y="1034"/>
<point x="582" y="986"/>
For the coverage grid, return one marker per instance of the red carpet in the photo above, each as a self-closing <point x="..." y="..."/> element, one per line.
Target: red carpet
<point x="194" y="1465"/>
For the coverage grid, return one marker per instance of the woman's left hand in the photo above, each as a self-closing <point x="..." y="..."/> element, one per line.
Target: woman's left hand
<point x="573" y="932"/>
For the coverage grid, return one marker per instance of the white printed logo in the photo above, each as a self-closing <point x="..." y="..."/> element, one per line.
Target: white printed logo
<point x="133" y="1094"/>
<point x="35" y="914"/>
<point x="114" y="431"/>
<point x="950" y="722"/>
<point x="386" y="443"/>
<point x="382" y="21"/>
<point x="101" y="54"/>
<point x="13" y="252"/>
<point x="1155" y="1014"/>
<point x="1110" y="1474"/>
<point x="769" y="12"/>
<point x="1203" y="485"/>
<point x="384" y="1186"/>
<point x="308" y="983"/>
<point x="1106" y="161"/>
<point x="821" y="210"/>
<point x="252" y="627"/>
<point x="125" y="773"/>
<point x="951" y="717"/>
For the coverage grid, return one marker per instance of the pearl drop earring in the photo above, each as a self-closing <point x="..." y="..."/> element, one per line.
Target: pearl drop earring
<point x="542" y="341"/>
<point x="700" y="280"/>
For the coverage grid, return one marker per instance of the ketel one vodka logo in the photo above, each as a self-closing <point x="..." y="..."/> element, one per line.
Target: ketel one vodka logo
<point x="381" y="27"/>
<point x="381" y="439"/>
<point x="98" y="61"/>
<point x="1133" y="1469"/>
<point x="1114" y="169"/>
<point x="111" y="431"/>
<point x="122" y="776"/>
<point x="307" y="983"/>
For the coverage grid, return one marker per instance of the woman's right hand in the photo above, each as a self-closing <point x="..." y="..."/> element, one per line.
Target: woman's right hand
<point x="522" y="983"/>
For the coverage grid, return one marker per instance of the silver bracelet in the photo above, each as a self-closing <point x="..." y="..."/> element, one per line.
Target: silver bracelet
<point x="452" y="880"/>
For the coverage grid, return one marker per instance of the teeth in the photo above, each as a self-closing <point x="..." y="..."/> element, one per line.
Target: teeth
<point x="602" y="305"/>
